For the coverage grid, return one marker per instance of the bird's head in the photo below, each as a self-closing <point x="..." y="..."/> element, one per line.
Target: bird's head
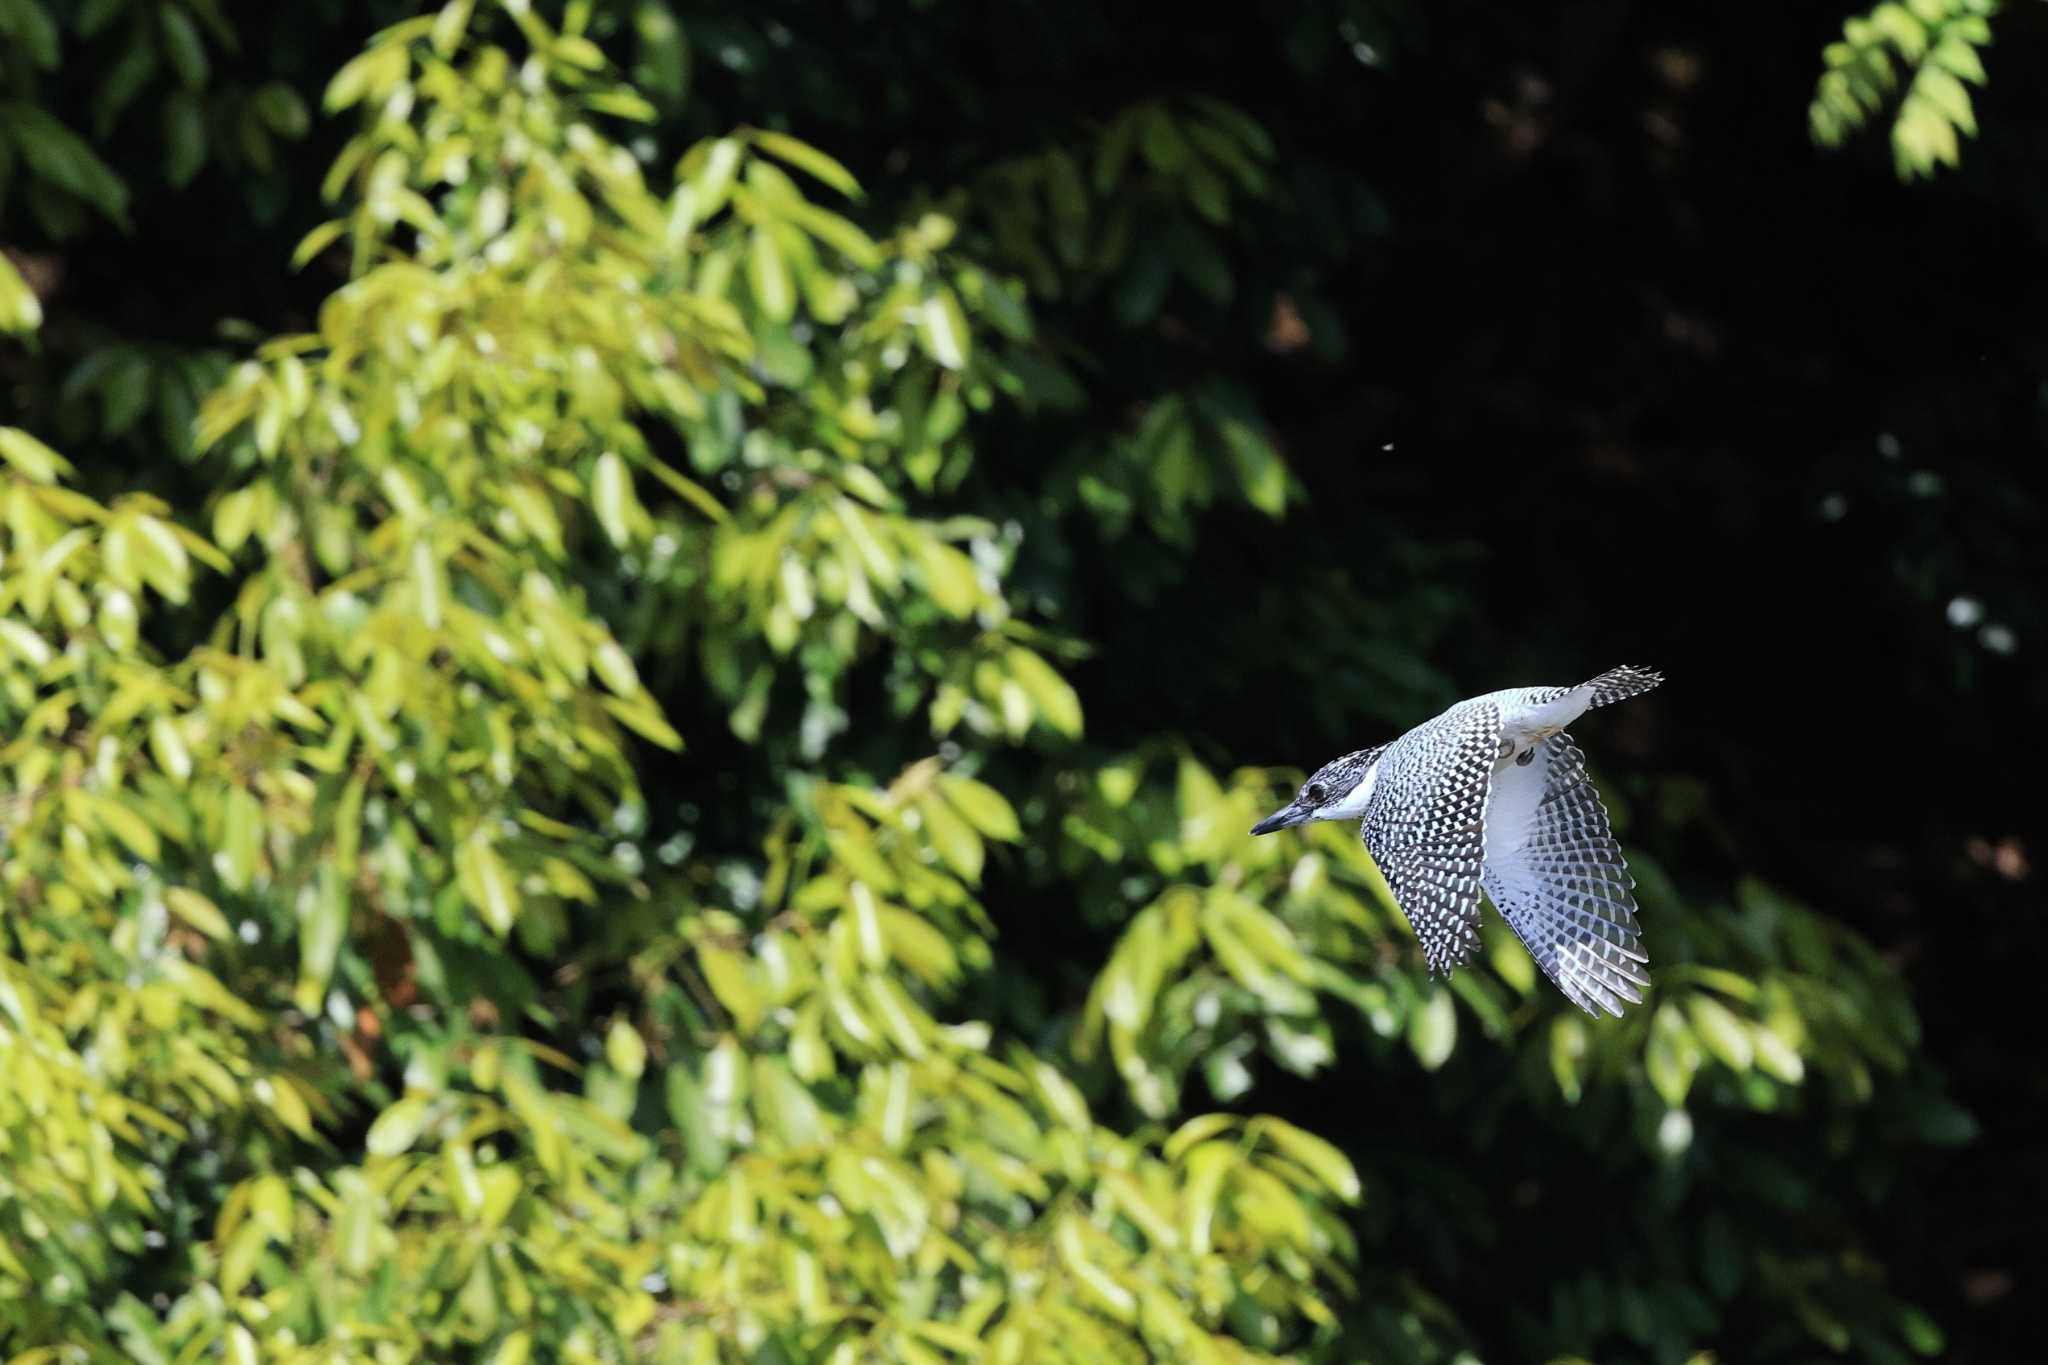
<point x="1337" y="791"/>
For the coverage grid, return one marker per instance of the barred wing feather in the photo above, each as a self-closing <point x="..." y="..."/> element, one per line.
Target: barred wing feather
<point x="1426" y="826"/>
<point x="1555" y="872"/>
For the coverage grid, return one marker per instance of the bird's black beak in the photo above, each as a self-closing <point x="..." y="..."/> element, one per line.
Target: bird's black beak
<point x="1284" y="818"/>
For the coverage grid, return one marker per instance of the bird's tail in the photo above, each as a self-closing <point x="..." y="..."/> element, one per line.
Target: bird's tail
<point x="1619" y="684"/>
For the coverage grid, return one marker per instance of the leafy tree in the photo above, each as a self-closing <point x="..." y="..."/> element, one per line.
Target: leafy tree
<point x="378" y="795"/>
<point x="642" y="785"/>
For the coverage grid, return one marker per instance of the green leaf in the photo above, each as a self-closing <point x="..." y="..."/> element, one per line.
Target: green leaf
<point x="614" y="668"/>
<point x="183" y="46"/>
<point x="1198" y="1129"/>
<point x="726" y="973"/>
<point x="1946" y="94"/>
<point x="1207" y="1164"/>
<point x="988" y="810"/>
<point x="317" y="241"/>
<point x="1260" y="471"/>
<point x="1777" y="1058"/>
<point x="1922" y="1333"/>
<point x="1323" y="1160"/>
<point x="1511" y="960"/>
<point x="1433" y="1029"/>
<point x="368" y="77"/>
<point x="1672" y="1057"/>
<point x="1722" y="1032"/>
<point x="199" y="912"/>
<point x="641" y="717"/>
<point x="612" y="498"/>
<point x="30" y="458"/>
<point x="487" y="884"/>
<point x="1057" y="702"/>
<point x="578" y="52"/>
<point x="323" y="928"/>
<point x="131" y="829"/>
<point x="622" y="103"/>
<point x="1907" y="33"/>
<point x="168" y="746"/>
<point x="808" y="159"/>
<point x="839" y="234"/>
<point x="236" y="859"/>
<point x="950" y="835"/>
<point x="450" y="25"/>
<point x="24" y="22"/>
<point x="1162" y="142"/>
<point x="1958" y="58"/>
<point x="713" y="181"/>
<point x="625" y="1050"/>
<point x="1101" y="1287"/>
<point x="60" y="156"/>
<point x="20" y="310"/>
<point x="398" y="1127"/>
<point x="184" y="138"/>
<point x="942" y="329"/>
<point x="281" y="110"/>
<point x="768" y="276"/>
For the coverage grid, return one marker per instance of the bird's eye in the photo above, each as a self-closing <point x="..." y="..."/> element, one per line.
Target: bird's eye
<point x="1316" y="792"/>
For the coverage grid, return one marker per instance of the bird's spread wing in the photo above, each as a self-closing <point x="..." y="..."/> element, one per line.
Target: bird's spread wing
<point x="1426" y="826"/>
<point x="1555" y="872"/>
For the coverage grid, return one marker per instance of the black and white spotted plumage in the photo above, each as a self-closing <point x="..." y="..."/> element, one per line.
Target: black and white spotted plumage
<point x="1556" y="874"/>
<point x="1426" y="826"/>
<point x="1493" y="793"/>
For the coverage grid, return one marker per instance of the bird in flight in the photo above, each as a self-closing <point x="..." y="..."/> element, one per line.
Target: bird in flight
<point x="1494" y="793"/>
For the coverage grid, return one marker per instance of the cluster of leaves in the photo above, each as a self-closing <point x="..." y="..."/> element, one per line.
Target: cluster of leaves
<point x="1931" y="49"/>
<point x="377" y="797"/>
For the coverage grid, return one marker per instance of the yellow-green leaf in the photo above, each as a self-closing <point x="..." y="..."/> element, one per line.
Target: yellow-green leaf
<point x="612" y="498"/>
<point x="808" y="159"/>
<point x="199" y="912"/>
<point x="398" y="1127"/>
<point x="942" y="328"/>
<point x="768" y="276"/>
<point x="1722" y="1032"/>
<point x="20" y="310"/>
<point x="487" y="883"/>
<point x="625" y="1049"/>
<point x="1322" y="1159"/>
<point x="988" y="810"/>
<point x="1433" y="1029"/>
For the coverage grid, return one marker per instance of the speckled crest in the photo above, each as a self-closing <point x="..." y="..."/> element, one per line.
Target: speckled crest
<point x="1340" y="775"/>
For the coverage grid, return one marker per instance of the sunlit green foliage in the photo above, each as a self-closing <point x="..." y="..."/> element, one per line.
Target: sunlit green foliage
<point x="506" y="839"/>
<point x="1928" y="48"/>
<point x="376" y="789"/>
